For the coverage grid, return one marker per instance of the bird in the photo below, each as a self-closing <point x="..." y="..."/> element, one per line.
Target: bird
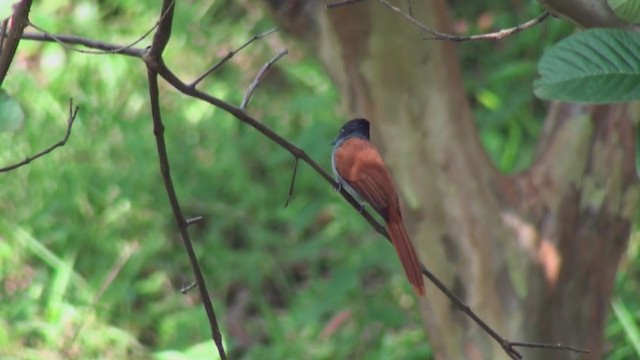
<point x="361" y="171"/>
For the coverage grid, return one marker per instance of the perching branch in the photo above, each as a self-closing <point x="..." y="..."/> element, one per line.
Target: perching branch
<point x="437" y="35"/>
<point x="155" y="65"/>
<point x="73" y="112"/>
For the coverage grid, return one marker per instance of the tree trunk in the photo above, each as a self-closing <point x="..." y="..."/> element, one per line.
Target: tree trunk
<point x="534" y="254"/>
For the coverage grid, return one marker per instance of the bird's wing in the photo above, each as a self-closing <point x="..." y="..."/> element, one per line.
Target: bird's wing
<point x="359" y="163"/>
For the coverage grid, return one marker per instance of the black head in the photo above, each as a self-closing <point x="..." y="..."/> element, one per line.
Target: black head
<point x="354" y="128"/>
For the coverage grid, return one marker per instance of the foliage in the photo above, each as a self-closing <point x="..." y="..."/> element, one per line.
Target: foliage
<point x="90" y="262"/>
<point x="628" y="10"/>
<point x="592" y="66"/>
<point x="623" y="329"/>
<point x="11" y="115"/>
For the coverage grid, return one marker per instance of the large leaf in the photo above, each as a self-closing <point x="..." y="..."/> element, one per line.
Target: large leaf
<point x="628" y="10"/>
<point x="593" y="66"/>
<point x="11" y="115"/>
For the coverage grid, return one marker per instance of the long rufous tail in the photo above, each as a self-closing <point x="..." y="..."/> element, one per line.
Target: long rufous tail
<point x="406" y="252"/>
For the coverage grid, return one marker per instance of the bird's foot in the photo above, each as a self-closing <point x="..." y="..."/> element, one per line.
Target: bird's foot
<point x="338" y="187"/>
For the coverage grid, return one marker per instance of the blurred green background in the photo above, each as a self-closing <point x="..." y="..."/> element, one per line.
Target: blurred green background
<point x="91" y="265"/>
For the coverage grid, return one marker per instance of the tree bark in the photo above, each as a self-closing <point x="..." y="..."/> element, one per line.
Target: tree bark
<point x="535" y="253"/>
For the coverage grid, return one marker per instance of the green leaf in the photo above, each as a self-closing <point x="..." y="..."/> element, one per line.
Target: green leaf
<point x="11" y="115"/>
<point x="593" y="66"/>
<point x="630" y="325"/>
<point x="628" y="10"/>
<point x="6" y="9"/>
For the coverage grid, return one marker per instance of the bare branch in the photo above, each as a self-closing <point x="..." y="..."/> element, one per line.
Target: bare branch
<point x="88" y="43"/>
<point x="342" y="3"/>
<point x="18" y="22"/>
<point x="194" y="220"/>
<point x="72" y="117"/>
<point x="437" y="35"/>
<point x="111" y="50"/>
<point x="163" y="34"/>
<point x="187" y="287"/>
<point x="550" y="346"/>
<point x="103" y="47"/>
<point x="258" y="79"/>
<point x="158" y="131"/>
<point x="231" y="54"/>
<point x="497" y="35"/>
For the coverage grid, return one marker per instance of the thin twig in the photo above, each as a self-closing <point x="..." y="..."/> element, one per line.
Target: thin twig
<point x="194" y="220"/>
<point x="231" y="54"/>
<point x="497" y="35"/>
<point x="549" y="346"/>
<point x="293" y="181"/>
<point x="186" y="287"/>
<point x="341" y="3"/>
<point x="89" y="43"/>
<point x="72" y="117"/>
<point x="258" y="79"/>
<point x="437" y="35"/>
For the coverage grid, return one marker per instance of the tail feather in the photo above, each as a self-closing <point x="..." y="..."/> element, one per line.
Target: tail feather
<point x="406" y="252"/>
